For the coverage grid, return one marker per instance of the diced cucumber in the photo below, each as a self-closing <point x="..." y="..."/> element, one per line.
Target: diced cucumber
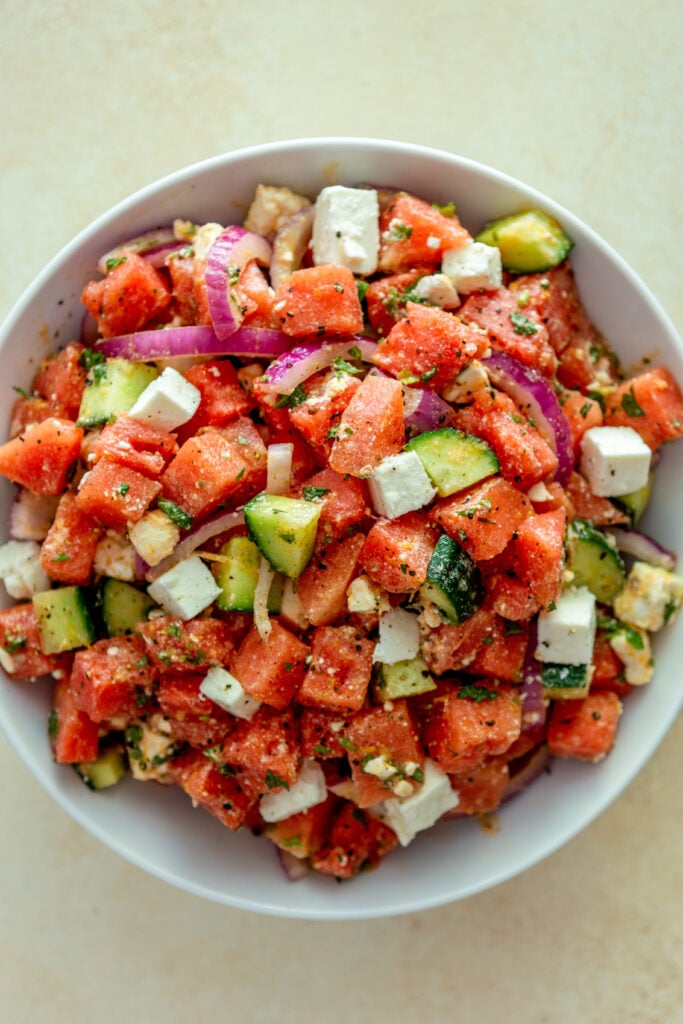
<point x="238" y="575"/>
<point x="635" y="503"/>
<point x="594" y="560"/>
<point x="112" y="387"/>
<point x="403" y="679"/>
<point x="529" y="242"/>
<point x="123" y="606"/>
<point x="64" y="620"/>
<point x="565" y="682"/>
<point x="453" y="581"/>
<point x="452" y="459"/>
<point x="284" y="530"/>
<point x="107" y="770"/>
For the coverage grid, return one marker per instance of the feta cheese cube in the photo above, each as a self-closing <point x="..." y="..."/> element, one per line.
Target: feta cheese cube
<point x="438" y="290"/>
<point x="399" y="484"/>
<point x="380" y="767"/>
<point x="154" y="536"/>
<point x="399" y="637"/>
<point x="186" y="589"/>
<point x="346" y="228"/>
<point x="650" y="598"/>
<point x="567" y="633"/>
<point x="204" y="237"/>
<point x="633" y="647"/>
<point x="115" y="557"/>
<point x="20" y="569"/>
<point x="473" y="266"/>
<point x="168" y="402"/>
<point x="308" y="790"/>
<point x="151" y="745"/>
<point x="223" y="689"/>
<point x="363" y="596"/>
<point x="614" y="460"/>
<point x="271" y="207"/>
<point x="422" y="808"/>
<point x="472" y="378"/>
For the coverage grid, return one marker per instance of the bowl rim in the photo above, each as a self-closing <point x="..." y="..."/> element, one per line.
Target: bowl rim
<point x="133" y="205"/>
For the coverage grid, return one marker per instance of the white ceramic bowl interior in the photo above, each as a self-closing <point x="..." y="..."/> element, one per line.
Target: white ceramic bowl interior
<point x="156" y="827"/>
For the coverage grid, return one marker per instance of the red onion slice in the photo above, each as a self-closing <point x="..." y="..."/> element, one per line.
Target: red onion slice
<point x="642" y="547"/>
<point x="531" y="767"/>
<point x="30" y="515"/>
<point x="169" y="342"/>
<point x="89" y="331"/>
<point x="535" y="396"/>
<point x="293" y="867"/>
<point x="290" y="244"/>
<point x="531" y="691"/>
<point x="197" y="536"/>
<point x="148" y="244"/>
<point x="233" y="248"/>
<point x="424" y="410"/>
<point x="303" y="361"/>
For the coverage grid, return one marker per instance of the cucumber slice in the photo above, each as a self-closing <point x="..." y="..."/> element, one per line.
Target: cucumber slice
<point x="123" y="606"/>
<point x="635" y="503"/>
<point x="594" y="561"/>
<point x="284" y="530"/>
<point x="403" y="679"/>
<point x="565" y="682"/>
<point x="453" y="581"/>
<point x="452" y="459"/>
<point x="113" y="387"/>
<point x="64" y="620"/>
<point x="529" y="242"/>
<point x="238" y="575"/>
<point x="107" y="770"/>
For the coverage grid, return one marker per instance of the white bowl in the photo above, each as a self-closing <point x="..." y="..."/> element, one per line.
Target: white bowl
<point x="155" y="827"/>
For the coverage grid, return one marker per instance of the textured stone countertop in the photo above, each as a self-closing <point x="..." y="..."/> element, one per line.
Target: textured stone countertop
<point x="583" y="101"/>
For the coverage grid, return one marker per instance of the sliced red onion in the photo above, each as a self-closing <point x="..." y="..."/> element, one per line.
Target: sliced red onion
<point x="172" y="342"/>
<point x="233" y="248"/>
<point x="532" y="765"/>
<point x="197" y="536"/>
<point x="642" y="547"/>
<point x="141" y="567"/>
<point x="531" y="692"/>
<point x="532" y="392"/>
<point x="89" y="331"/>
<point x="303" y="361"/>
<point x="147" y="245"/>
<point x="290" y="244"/>
<point x="30" y="515"/>
<point x="424" y="410"/>
<point x="293" y="867"/>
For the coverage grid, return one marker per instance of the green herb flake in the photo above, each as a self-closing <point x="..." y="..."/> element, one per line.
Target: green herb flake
<point x="359" y="816"/>
<point x="313" y="493"/>
<point x="476" y="693"/>
<point x="447" y="210"/>
<point x="292" y="841"/>
<point x="53" y="724"/>
<point x="14" y="642"/>
<point x="341" y="367"/>
<point x="175" y="513"/>
<point x="522" y="324"/>
<point x="322" y="750"/>
<point x="115" y="261"/>
<point x="524" y="298"/>
<point x="347" y="744"/>
<point x="213" y="753"/>
<point x="429" y="374"/>
<point x="338" y="287"/>
<point x="274" y="781"/>
<point x="397" y="232"/>
<point x="142" y="697"/>
<point x="418" y="775"/>
<point x="296" y="397"/>
<point x="174" y="630"/>
<point x="123" y="489"/>
<point x="630" y="405"/>
<point x="20" y="391"/>
<point x="63" y="556"/>
<point x="361" y="288"/>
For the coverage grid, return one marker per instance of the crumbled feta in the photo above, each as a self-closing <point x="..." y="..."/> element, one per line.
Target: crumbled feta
<point x="20" y="569"/>
<point x="614" y="460"/>
<point x="168" y="402"/>
<point x="472" y="378"/>
<point x="566" y="633"/>
<point x="150" y="746"/>
<point x="473" y="266"/>
<point x="539" y="492"/>
<point x="650" y="598"/>
<point x="346" y="228"/>
<point x="363" y="596"/>
<point x="271" y="207"/>
<point x="204" y="237"/>
<point x="399" y="484"/>
<point x="399" y="637"/>
<point x="438" y="290"/>
<point x="308" y="790"/>
<point x="115" y="557"/>
<point x="223" y="689"/>
<point x="380" y="767"/>
<point x="186" y="589"/>
<point x="633" y="647"/>
<point x="422" y="808"/>
<point x="154" y="536"/>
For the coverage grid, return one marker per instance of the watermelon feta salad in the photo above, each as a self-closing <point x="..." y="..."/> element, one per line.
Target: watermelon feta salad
<point x="331" y="520"/>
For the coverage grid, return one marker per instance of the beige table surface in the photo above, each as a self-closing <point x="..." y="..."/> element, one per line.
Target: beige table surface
<point x="585" y="101"/>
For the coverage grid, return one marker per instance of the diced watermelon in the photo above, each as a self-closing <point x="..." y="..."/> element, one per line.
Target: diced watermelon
<point x="591" y="507"/>
<point x="267" y="747"/>
<point x="248" y="443"/>
<point x="449" y="648"/>
<point x="339" y="672"/>
<point x="484" y="518"/>
<point x="221" y="795"/>
<point x="371" y="427"/>
<point x="481" y="788"/>
<point x="68" y="551"/>
<point x="343" y="501"/>
<point x="389" y="732"/>
<point x="320" y="733"/>
<point x="386" y="298"/>
<point x="195" y="645"/>
<point x="28" y="411"/>
<point x="319" y="301"/>
<point x="304" y="834"/>
<point x="357" y="842"/>
<point x="132" y="294"/>
<point x="396" y="552"/>
<point x="317" y="417"/>
<point x="41" y="457"/>
<point x="222" y="398"/>
<point x="271" y="670"/>
<point x="471" y="724"/>
<point x="61" y="378"/>
<point x="75" y="737"/>
<point x="581" y="413"/>
<point x="608" y="669"/>
<point x="429" y="347"/>
<point x="501" y="653"/>
<point x="20" y="652"/>
<point x="135" y="444"/>
<point x="116" y="495"/>
<point x="414" y="233"/>
<point x="511" y="597"/>
<point x="651" y="403"/>
<point x="584" y="729"/>
<point x="205" y="473"/>
<point x="113" y="679"/>
<point x="518" y="332"/>
<point x="255" y="297"/>
<point x="182" y="274"/>
<point x="322" y="585"/>
<point x="538" y="554"/>
<point x="194" y="719"/>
